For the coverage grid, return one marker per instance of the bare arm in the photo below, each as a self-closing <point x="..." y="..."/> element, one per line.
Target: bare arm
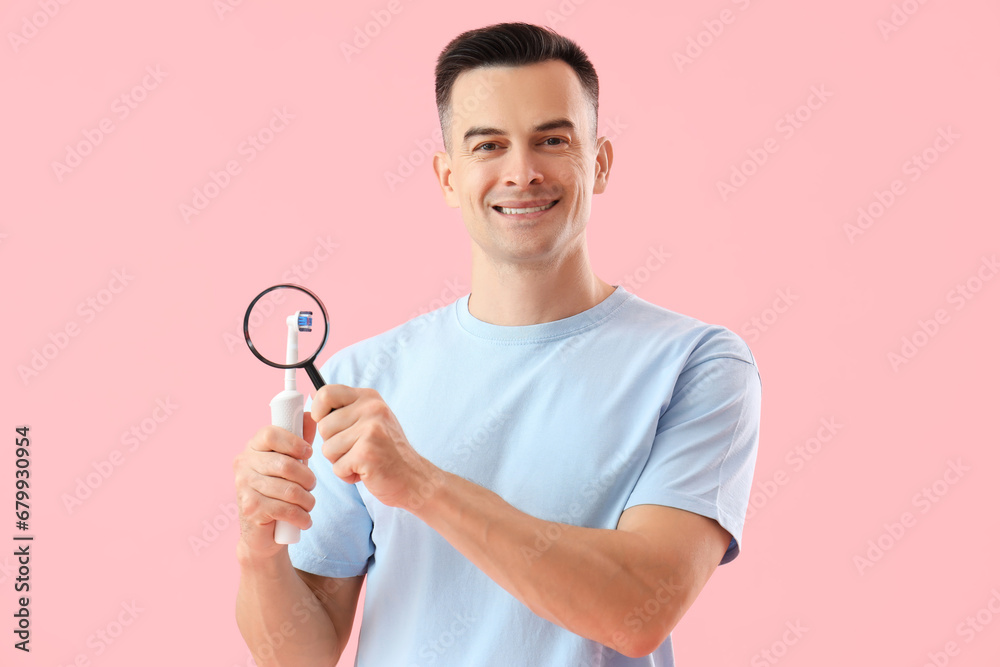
<point x="288" y="618"/>
<point x="625" y="588"/>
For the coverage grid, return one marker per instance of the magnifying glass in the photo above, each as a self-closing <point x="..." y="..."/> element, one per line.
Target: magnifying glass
<point x="265" y="328"/>
<point x="280" y="322"/>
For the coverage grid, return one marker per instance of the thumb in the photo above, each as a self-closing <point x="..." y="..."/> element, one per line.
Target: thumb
<point x="308" y="427"/>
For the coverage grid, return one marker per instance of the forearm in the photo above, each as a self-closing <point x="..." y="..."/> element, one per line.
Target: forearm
<point x="280" y="617"/>
<point x="593" y="582"/>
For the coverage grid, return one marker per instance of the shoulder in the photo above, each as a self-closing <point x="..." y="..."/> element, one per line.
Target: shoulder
<point x="680" y="335"/>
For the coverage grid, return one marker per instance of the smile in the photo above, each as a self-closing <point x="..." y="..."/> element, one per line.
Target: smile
<point x="522" y="211"/>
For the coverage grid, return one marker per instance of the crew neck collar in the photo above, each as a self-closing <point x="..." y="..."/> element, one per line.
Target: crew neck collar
<point x="530" y="333"/>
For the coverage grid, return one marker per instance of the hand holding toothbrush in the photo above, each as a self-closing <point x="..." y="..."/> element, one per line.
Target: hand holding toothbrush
<point x="273" y="484"/>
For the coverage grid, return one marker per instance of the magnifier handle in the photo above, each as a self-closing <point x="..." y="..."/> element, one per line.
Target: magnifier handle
<point x="316" y="378"/>
<point x="286" y="412"/>
<point x="314" y="375"/>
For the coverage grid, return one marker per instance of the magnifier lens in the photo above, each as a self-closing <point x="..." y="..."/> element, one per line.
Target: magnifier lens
<point x="267" y="324"/>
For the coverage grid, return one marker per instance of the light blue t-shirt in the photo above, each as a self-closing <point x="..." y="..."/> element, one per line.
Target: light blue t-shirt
<point x="572" y="421"/>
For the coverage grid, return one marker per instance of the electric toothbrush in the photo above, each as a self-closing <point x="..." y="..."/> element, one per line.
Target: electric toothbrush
<point x="287" y="407"/>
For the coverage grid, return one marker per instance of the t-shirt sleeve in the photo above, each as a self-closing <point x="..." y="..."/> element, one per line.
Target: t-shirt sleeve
<point x="339" y="542"/>
<point x="705" y="447"/>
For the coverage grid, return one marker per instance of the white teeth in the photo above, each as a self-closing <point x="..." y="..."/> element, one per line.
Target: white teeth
<point x="519" y="211"/>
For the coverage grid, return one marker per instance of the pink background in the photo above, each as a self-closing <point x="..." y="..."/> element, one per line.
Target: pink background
<point x="316" y="197"/>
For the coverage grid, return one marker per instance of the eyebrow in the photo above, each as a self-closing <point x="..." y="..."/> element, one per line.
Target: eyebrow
<point x="557" y="124"/>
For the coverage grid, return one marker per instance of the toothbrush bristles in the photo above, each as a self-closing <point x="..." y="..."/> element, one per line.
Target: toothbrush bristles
<point x="305" y="320"/>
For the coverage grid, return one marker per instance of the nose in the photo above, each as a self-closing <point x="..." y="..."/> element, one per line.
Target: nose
<point x="521" y="167"/>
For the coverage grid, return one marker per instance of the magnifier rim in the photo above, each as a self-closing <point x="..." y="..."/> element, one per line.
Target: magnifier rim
<point x="246" y="327"/>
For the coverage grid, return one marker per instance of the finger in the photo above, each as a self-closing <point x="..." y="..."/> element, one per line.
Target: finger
<point x="272" y="464"/>
<point x="333" y="396"/>
<point x="283" y="490"/>
<point x="337" y="421"/>
<point x="277" y="439"/>
<point x="261" y="510"/>
<point x="308" y="427"/>
<point x="337" y="448"/>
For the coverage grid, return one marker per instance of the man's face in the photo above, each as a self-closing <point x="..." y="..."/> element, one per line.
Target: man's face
<point x="522" y="137"/>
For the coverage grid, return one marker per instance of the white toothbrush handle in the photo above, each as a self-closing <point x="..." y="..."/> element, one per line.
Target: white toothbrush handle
<point x="286" y="412"/>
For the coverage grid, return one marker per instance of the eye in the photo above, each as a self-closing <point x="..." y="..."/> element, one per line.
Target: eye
<point x="557" y="139"/>
<point x="488" y="143"/>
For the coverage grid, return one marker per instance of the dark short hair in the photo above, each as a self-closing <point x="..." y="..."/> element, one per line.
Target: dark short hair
<point x="507" y="45"/>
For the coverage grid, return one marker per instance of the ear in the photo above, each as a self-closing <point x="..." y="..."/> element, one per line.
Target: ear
<point x="602" y="166"/>
<point x="442" y="169"/>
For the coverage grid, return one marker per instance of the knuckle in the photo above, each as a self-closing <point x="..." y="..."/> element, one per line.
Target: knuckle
<point x="249" y="502"/>
<point x="289" y="492"/>
<point x="376" y="430"/>
<point x="328" y="451"/>
<point x="283" y="467"/>
<point x="292" y="513"/>
<point x="324" y="429"/>
<point x="323" y="394"/>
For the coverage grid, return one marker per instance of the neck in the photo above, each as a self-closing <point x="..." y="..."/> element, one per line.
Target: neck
<point x="510" y="294"/>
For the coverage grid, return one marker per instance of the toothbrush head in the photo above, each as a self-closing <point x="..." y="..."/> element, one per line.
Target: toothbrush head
<point x="305" y="320"/>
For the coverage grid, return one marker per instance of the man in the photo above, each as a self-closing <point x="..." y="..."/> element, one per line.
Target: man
<point x="545" y="472"/>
